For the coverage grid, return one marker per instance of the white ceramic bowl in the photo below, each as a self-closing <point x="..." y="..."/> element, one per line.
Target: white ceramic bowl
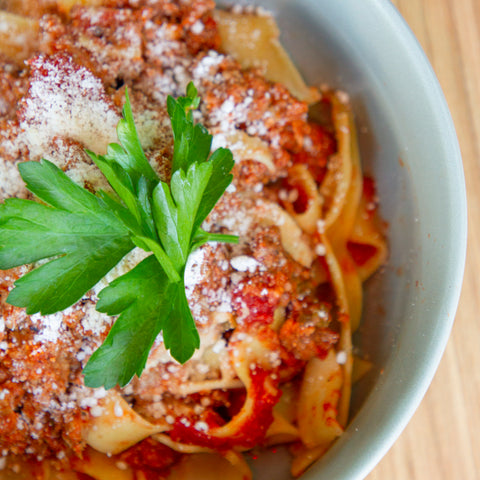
<point x="408" y="144"/>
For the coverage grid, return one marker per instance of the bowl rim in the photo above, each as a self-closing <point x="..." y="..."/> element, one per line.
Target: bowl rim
<point x="343" y="460"/>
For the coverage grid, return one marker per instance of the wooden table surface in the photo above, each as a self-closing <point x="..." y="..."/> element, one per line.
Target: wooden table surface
<point x="442" y="441"/>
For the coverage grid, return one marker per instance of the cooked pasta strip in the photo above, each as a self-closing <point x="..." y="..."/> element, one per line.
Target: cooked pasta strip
<point x="318" y="402"/>
<point x="252" y="365"/>
<point x="293" y="239"/>
<point x="348" y="288"/>
<point x="179" y="446"/>
<point x="246" y="147"/>
<point x="66" y="5"/>
<point x="281" y="431"/>
<point x="302" y="180"/>
<point x="346" y="350"/>
<point x="51" y="472"/>
<point x="254" y="42"/>
<point x="343" y="175"/>
<point x="360" y="368"/>
<point x="367" y="244"/>
<point x="211" y="467"/>
<point x="340" y="219"/>
<point x="283" y="428"/>
<point x="18" y="36"/>
<point x="338" y="228"/>
<point x="102" y="467"/>
<point x="22" y="470"/>
<point x="209" y="385"/>
<point x="36" y="8"/>
<point x="304" y="457"/>
<point x="238" y="462"/>
<point x="118" y="427"/>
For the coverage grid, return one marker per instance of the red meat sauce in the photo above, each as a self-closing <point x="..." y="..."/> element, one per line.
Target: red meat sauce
<point x="320" y="145"/>
<point x="289" y="349"/>
<point x="250" y="432"/>
<point x="362" y="253"/>
<point x="41" y="388"/>
<point x="150" y="457"/>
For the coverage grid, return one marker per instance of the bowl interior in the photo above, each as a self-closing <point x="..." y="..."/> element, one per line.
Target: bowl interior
<point x="408" y="145"/>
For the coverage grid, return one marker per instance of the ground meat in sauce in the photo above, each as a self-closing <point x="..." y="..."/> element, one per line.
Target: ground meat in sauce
<point x="153" y="49"/>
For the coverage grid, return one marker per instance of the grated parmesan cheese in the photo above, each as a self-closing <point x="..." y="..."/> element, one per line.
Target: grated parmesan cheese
<point x="341" y="357"/>
<point x="66" y="99"/>
<point x="198" y="27"/>
<point x="194" y="269"/>
<point x="11" y="183"/>
<point x="50" y="327"/>
<point x="243" y="263"/>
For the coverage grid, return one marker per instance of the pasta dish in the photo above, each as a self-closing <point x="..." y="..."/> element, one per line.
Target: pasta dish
<point x="274" y="312"/>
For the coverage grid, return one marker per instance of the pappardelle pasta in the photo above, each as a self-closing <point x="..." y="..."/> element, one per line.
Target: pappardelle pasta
<point x="275" y="312"/>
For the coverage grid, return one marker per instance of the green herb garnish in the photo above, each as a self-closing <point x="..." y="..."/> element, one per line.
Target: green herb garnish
<point x="86" y="235"/>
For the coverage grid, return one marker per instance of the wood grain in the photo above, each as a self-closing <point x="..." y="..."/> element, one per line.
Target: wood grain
<point x="442" y="441"/>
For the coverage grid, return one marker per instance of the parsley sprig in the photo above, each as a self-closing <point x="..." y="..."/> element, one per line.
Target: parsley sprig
<point x="85" y="235"/>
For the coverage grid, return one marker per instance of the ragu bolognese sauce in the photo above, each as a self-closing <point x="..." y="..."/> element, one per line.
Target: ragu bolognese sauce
<point x="274" y="312"/>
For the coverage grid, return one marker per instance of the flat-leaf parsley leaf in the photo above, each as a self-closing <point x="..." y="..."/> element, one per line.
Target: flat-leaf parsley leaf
<point x="84" y="235"/>
<point x="76" y="227"/>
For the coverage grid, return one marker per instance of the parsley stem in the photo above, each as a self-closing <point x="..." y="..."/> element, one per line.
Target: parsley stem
<point x="202" y="237"/>
<point x="162" y="258"/>
<point x="220" y="237"/>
